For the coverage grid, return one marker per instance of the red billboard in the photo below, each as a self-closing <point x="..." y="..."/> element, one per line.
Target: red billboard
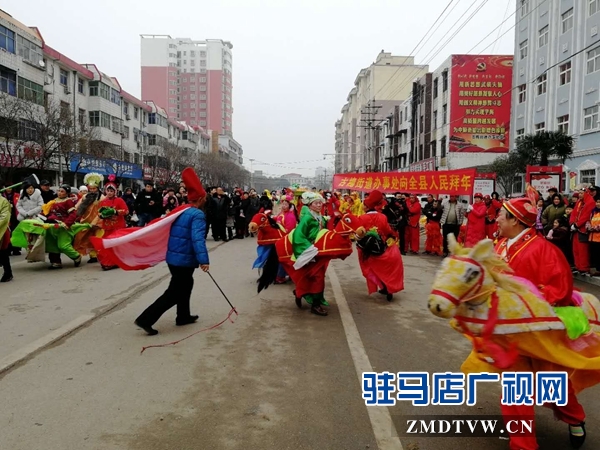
<point x="480" y="103"/>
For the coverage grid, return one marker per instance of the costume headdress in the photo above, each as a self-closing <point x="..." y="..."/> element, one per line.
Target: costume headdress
<point x="192" y="184"/>
<point x="374" y="199"/>
<point x="478" y="195"/>
<point x="309" y="197"/>
<point x="93" y="179"/>
<point x="111" y="183"/>
<point x="524" y="209"/>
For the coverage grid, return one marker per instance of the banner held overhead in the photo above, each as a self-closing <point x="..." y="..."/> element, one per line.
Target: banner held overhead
<point x="455" y="182"/>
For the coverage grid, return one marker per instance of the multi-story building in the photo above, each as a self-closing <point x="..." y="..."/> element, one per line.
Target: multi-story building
<point x="191" y="80"/>
<point x="377" y="89"/>
<point x="111" y="130"/>
<point x="461" y="113"/>
<point x="230" y="149"/>
<point x="557" y="76"/>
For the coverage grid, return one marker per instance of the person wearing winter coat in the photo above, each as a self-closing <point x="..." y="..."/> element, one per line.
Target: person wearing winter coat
<point x="554" y="211"/>
<point x="30" y="202"/>
<point x="185" y="252"/>
<point x="5" y="240"/>
<point x="129" y="199"/>
<point x="452" y="219"/>
<point x="148" y="205"/>
<point x="13" y="198"/>
<point x="476" y="221"/>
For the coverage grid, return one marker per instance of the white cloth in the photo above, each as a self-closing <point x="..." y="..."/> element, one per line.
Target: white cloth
<point x="305" y="257"/>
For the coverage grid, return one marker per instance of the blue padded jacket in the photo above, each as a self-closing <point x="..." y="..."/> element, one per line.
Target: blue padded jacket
<point x="187" y="245"/>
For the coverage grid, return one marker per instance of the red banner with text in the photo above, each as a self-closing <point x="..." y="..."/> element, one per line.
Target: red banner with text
<point x="456" y="182"/>
<point x="480" y="103"/>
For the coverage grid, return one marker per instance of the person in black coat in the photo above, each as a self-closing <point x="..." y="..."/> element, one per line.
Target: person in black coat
<point x="238" y="215"/>
<point x="148" y="205"/>
<point x="47" y="194"/>
<point x="265" y="201"/>
<point x="220" y="206"/>
<point x="252" y="208"/>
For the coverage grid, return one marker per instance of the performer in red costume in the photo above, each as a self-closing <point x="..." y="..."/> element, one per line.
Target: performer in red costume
<point x="537" y="260"/>
<point x="492" y="208"/>
<point x="112" y="211"/>
<point x="383" y="272"/>
<point x="475" y="221"/>
<point x="412" y="230"/>
<point x="579" y="218"/>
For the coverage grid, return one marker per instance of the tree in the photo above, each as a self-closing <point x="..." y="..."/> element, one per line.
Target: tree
<point x="506" y="168"/>
<point x="536" y="149"/>
<point x="215" y="170"/>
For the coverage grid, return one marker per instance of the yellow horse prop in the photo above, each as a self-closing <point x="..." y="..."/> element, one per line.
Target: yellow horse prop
<point x="508" y="321"/>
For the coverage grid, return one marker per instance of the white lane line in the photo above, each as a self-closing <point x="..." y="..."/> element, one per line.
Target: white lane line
<point x="381" y="420"/>
<point x="8" y="361"/>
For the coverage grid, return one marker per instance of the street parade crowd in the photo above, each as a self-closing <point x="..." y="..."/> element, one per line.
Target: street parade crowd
<point x="533" y="245"/>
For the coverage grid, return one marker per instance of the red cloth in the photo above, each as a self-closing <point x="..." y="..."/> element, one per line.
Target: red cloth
<point x="413" y="239"/>
<point x="582" y="212"/>
<point x="310" y="279"/>
<point x="5" y="241"/>
<point x="581" y="254"/>
<point x="433" y="243"/>
<point x="475" y="224"/>
<point x="491" y="215"/>
<point x="572" y="413"/>
<point x="116" y="222"/>
<point x="414" y="213"/>
<point x="386" y="270"/>
<point x="139" y="248"/>
<point x="536" y="259"/>
<point x="63" y="211"/>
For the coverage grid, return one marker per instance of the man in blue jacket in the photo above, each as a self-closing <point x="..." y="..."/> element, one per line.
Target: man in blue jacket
<point x="186" y="251"/>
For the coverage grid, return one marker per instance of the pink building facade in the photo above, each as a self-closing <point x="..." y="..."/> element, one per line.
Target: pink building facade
<point x="191" y="80"/>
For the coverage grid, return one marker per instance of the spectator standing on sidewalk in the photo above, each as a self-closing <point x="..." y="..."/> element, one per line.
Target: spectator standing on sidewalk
<point x="594" y="229"/>
<point x="148" y="205"/>
<point x="452" y="218"/>
<point x="5" y="246"/>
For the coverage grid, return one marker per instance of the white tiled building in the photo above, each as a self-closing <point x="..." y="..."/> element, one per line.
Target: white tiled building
<point x="128" y="130"/>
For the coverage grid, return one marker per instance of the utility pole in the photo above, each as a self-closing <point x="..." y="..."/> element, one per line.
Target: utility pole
<point x="369" y="123"/>
<point x="251" y="173"/>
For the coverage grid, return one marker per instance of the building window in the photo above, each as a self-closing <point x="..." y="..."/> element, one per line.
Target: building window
<point x="30" y="91"/>
<point x="202" y="105"/>
<point x="81" y="117"/>
<point x="541" y="84"/>
<point x="539" y="127"/>
<point x="94" y="118"/>
<point x="520" y="132"/>
<point x="523" y="49"/>
<point x="435" y="114"/>
<point x="594" y="6"/>
<point x="135" y="113"/>
<point x="590" y="118"/>
<point x="522" y="93"/>
<point x="8" y="81"/>
<point x="64" y="77"/>
<point x="543" y="36"/>
<point x="115" y="97"/>
<point x="435" y="88"/>
<point x="29" y="51"/>
<point x="7" y="39"/>
<point x="587" y="176"/>
<point x="567" y="20"/>
<point x="565" y="73"/>
<point x="126" y="108"/>
<point x="126" y="132"/>
<point x="93" y="88"/>
<point x="444" y="80"/>
<point x="202" y="79"/>
<point x="203" y="88"/>
<point x="442" y="147"/>
<point x="593" y="60"/>
<point x="524" y="7"/>
<point x="105" y="120"/>
<point x="563" y="123"/>
<point x="80" y="85"/>
<point x="444" y="114"/>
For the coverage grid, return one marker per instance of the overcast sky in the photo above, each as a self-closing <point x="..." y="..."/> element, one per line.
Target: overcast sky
<point x="294" y="62"/>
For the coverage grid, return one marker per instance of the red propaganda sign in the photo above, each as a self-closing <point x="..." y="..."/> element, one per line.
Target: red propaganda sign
<point x="456" y="182"/>
<point x="480" y="103"/>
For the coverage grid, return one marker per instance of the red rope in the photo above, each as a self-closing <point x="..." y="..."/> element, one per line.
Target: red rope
<point x="195" y="333"/>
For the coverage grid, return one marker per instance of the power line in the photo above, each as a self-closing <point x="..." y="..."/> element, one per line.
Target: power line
<point x="414" y="49"/>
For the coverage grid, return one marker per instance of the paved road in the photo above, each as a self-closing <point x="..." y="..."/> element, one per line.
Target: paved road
<point x="277" y="378"/>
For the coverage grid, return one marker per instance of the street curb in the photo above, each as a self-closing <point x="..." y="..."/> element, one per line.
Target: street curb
<point x="589" y="280"/>
<point x="23" y="355"/>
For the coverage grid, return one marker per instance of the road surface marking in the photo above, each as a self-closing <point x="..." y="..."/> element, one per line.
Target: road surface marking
<point x="381" y="420"/>
<point x="8" y="361"/>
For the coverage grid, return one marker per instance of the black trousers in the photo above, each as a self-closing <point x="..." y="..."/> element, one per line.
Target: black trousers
<point x="219" y="228"/>
<point x="402" y="237"/>
<point x="5" y="260"/>
<point x="178" y="293"/>
<point x="446" y="230"/>
<point x="595" y="255"/>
